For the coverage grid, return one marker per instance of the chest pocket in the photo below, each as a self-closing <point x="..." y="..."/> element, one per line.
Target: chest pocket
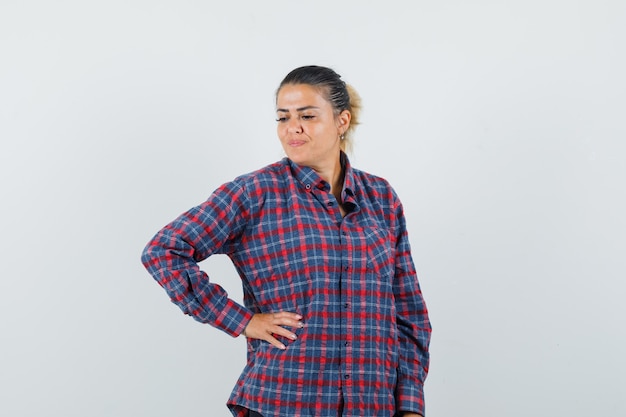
<point x="379" y="251"/>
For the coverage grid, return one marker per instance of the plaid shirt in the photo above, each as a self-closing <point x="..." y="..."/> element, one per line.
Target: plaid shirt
<point x="364" y="347"/>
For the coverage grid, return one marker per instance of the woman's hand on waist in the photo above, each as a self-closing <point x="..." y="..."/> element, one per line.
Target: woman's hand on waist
<point x="265" y="326"/>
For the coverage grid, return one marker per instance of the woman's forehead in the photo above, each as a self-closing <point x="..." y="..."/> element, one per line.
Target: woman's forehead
<point x="299" y="97"/>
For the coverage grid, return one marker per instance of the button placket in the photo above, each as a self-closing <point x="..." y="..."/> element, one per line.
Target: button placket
<point x="346" y="342"/>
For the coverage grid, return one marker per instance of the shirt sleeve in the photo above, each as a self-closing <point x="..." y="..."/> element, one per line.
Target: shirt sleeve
<point x="414" y="328"/>
<point x="172" y="257"/>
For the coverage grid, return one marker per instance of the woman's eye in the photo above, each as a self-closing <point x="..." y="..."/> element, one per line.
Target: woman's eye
<point x="307" y="117"/>
<point x="281" y="119"/>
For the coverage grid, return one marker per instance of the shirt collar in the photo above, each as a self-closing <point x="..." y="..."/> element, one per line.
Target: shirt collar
<point x="348" y="181"/>
<point x="311" y="179"/>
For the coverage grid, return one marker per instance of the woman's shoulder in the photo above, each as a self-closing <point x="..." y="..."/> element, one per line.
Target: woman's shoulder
<point x="373" y="182"/>
<point x="267" y="174"/>
<point x="252" y="188"/>
<point x="379" y="198"/>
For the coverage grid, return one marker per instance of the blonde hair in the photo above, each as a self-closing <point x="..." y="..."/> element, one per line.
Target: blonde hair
<point x="355" y="111"/>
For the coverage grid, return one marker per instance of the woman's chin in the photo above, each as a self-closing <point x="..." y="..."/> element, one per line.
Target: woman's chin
<point x="297" y="157"/>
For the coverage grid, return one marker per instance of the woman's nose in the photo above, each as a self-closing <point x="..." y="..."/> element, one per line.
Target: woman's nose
<point x="294" y="125"/>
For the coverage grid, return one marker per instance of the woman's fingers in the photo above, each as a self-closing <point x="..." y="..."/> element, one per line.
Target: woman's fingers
<point x="275" y="342"/>
<point x="264" y="326"/>
<point x="288" y="319"/>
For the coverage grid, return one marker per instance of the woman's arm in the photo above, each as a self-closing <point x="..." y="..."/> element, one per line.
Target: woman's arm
<point x="173" y="254"/>
<point x="414" y="327"/>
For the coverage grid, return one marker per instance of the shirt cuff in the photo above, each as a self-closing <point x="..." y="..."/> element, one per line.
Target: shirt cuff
<point x="409" y="398"/>
<point x="233" y="318"/>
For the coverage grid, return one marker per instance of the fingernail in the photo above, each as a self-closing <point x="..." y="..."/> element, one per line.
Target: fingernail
<point x="283" y="347"/>
<point x="298" y="316"/>
<point x="294" y="337"/>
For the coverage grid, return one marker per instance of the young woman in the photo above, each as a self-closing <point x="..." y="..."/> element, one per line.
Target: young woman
<point x="333" y="313"/>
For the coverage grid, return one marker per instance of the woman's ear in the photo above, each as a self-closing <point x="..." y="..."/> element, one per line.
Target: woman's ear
<point x="344" y="121"/>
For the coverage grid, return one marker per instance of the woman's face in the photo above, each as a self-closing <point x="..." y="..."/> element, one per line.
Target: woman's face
<point x="307" y="126"/>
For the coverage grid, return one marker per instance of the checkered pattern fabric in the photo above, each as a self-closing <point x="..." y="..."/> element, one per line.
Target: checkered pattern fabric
<point x="364" y="346"/>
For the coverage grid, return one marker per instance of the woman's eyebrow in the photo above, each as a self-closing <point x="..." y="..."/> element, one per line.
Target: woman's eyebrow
<point x="298" y="109"/>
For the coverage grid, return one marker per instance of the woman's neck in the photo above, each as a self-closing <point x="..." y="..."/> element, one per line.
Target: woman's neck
<point x="333" y="174"/>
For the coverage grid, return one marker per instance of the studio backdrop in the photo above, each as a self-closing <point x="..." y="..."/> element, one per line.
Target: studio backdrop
<point x="499" y="123"/>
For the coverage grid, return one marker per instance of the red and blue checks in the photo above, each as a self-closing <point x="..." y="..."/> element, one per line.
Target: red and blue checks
<point x="364" y="347"/>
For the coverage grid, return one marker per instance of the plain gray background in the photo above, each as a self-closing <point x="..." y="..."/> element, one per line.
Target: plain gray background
<point x="501" y="125"/>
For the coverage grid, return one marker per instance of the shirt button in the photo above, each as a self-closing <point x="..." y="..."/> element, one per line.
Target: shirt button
<point x="346" y="377"/>
<point x="346" y="305"/>
<point x="308" y="186"/>
<point x="330" y="203"/>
